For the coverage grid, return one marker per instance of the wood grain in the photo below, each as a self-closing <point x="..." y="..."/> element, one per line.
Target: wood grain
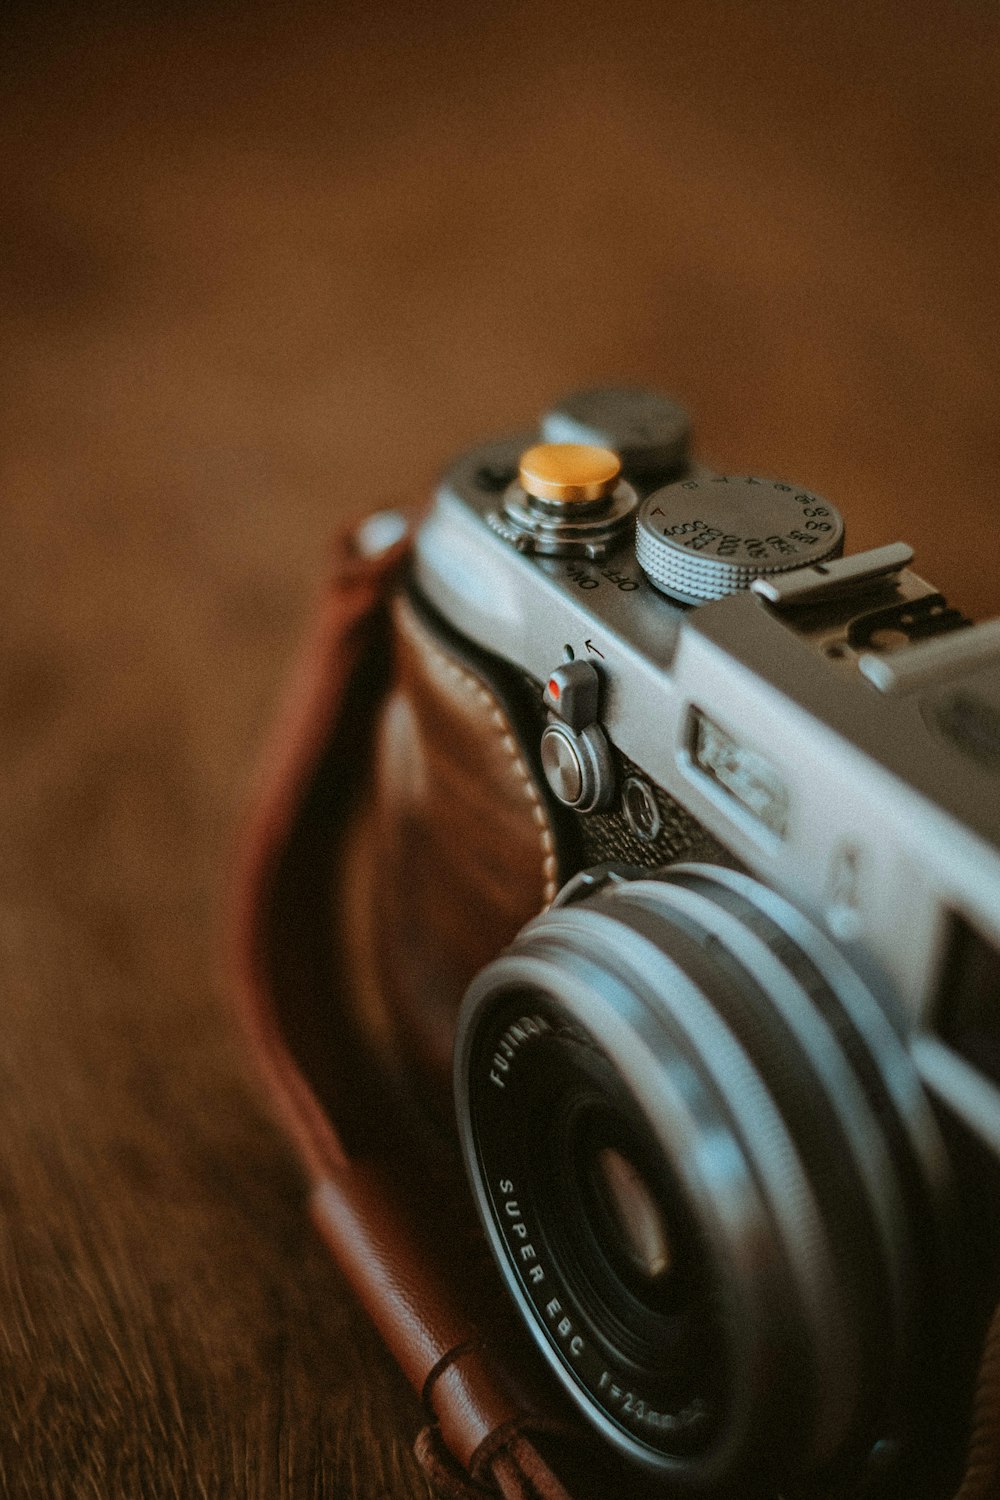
<point x="260" y="269"/>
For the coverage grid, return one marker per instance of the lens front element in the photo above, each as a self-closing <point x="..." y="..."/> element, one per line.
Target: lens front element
<point x="630" y="1203"/>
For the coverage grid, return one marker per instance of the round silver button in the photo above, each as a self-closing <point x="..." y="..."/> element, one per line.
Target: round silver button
<point x="700" y="539"/>
<point x="561" y="764"/>
<point x="578" y="766"/>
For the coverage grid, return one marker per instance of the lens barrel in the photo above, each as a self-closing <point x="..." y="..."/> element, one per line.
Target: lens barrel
<point x="709" y="1175"/>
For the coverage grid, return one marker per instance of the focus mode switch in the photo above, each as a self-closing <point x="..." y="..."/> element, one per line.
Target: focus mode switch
<point x="576" y="756"/>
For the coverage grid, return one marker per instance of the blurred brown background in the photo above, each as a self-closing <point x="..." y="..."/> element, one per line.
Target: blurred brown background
<point x="265" y="266"/>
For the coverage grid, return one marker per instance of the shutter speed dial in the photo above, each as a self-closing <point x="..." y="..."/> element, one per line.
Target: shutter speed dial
<point x="700" y="539"/>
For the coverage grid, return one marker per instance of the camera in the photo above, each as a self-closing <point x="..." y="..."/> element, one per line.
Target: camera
<point x="730" y="1104"/>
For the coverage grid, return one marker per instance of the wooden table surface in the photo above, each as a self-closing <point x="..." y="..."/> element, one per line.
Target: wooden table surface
<point x="263" y="267"/>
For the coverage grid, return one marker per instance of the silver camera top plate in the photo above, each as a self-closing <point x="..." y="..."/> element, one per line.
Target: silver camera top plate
<point x="873" y="807"/>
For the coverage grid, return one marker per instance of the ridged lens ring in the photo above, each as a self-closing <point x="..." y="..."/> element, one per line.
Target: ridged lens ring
<point x="709" y="1174"/>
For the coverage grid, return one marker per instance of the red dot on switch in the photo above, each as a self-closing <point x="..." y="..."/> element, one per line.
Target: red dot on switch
<point x="553" y="688"/>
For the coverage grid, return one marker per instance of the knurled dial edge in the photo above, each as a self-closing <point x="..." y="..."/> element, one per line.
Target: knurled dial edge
<point x="701" y="539"/>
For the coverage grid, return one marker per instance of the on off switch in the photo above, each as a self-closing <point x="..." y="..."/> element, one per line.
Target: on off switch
<point x="568" y="500"/>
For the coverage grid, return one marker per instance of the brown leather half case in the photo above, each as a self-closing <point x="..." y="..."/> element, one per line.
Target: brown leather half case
<point x="456" y="848"/>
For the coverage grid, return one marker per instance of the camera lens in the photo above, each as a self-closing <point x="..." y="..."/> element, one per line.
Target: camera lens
<point x="582" y="1191"/>
<point x="708" y="1173"/>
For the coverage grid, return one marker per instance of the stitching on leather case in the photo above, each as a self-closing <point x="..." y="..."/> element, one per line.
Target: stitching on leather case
<point x="501" y="725"/>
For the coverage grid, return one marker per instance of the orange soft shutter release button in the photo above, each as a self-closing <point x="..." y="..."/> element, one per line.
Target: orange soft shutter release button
<point x="567" y="473"/>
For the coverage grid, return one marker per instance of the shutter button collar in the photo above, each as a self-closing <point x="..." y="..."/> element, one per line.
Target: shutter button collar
<point x="569" y="499"/>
